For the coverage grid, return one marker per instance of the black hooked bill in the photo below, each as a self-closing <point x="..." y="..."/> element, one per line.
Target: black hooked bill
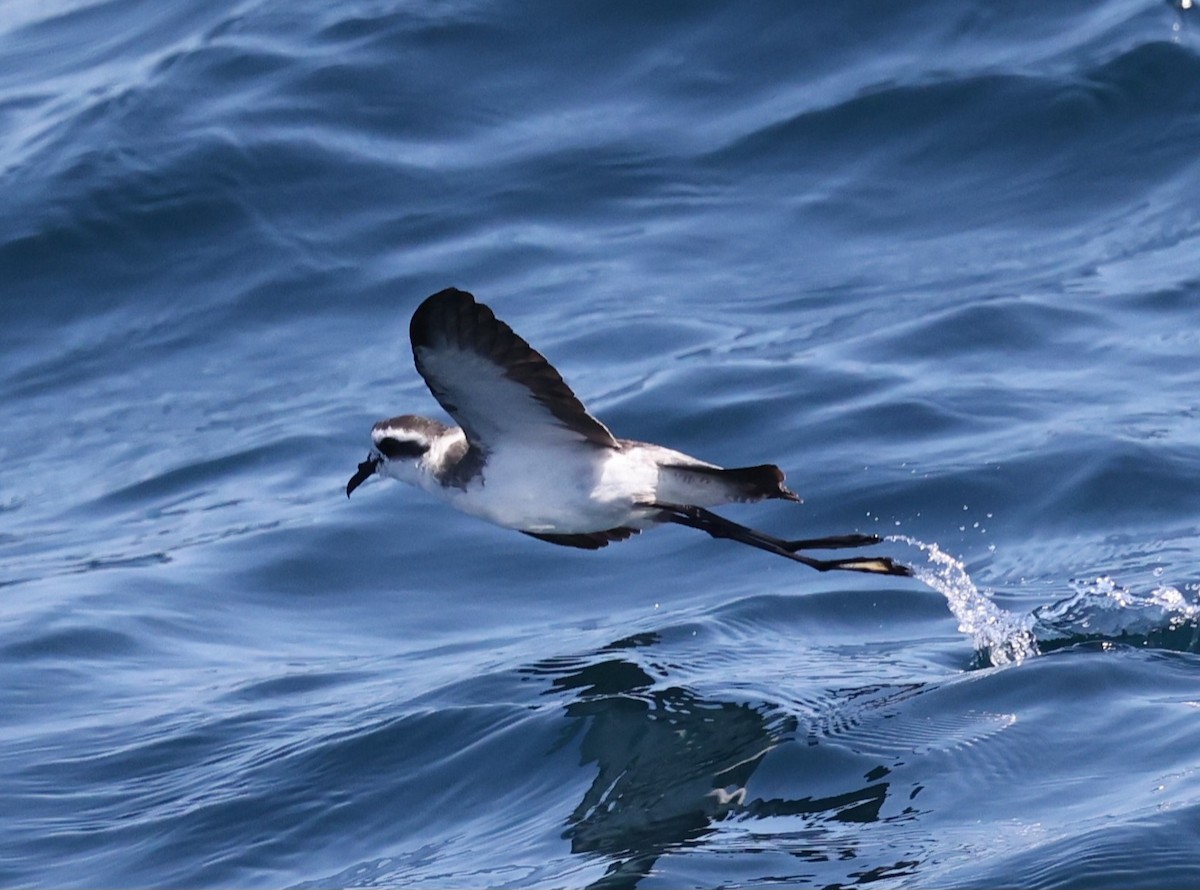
<point x="364" y="472"/>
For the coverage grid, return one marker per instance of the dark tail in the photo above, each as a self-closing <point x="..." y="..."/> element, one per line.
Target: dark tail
<point x="742" y="483"/>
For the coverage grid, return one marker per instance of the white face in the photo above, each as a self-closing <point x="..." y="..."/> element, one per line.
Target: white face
<point x="400" y="451"/>
<point x="400" y="448"/>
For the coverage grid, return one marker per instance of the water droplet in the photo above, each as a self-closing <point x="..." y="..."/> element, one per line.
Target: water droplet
<point x="1003" y="635"/>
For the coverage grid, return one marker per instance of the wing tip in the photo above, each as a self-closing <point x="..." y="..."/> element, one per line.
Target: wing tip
<point x="430" y="316"/>
<point x="586" y="540"/>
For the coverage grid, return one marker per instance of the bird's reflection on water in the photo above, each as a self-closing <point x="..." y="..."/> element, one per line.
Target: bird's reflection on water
<point x="671" y="764"/>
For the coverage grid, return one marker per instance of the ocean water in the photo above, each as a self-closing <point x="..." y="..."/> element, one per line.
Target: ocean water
<point x="938" y="260"/>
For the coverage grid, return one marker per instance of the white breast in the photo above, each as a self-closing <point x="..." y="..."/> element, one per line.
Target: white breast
<point x="560" y="490"/>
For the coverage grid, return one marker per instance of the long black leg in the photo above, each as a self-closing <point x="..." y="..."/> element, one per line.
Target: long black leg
<point x="720" y="527"/>
<point x="834" y="542"/>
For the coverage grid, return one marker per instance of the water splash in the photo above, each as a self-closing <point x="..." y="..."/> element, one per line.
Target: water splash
<point x="1102" y="609"/>
<point x="1003" y="636"/>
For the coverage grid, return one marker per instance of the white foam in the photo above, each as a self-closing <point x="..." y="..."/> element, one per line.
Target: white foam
<point x="1101" y="607"/>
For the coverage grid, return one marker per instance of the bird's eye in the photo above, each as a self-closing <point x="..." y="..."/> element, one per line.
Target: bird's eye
<point x="396" y="448"/>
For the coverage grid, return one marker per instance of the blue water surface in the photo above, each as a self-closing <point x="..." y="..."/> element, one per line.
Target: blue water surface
<point x="938" y="260"/>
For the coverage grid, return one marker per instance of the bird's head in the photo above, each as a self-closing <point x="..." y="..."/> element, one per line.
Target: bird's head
<point x="398" y="446"/>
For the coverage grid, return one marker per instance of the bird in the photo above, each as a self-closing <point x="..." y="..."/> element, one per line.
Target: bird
<point x="527" y="455"/>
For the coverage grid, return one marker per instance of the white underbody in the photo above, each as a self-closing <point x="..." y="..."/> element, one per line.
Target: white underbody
<point x="564" y="487"/>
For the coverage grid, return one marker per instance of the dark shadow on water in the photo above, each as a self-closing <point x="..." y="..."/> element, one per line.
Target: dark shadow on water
<point x="670" y="764"/>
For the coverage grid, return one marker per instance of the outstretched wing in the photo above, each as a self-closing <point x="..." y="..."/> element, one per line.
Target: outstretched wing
<point x="490" y="380"/>
<point x="587" y="540"/>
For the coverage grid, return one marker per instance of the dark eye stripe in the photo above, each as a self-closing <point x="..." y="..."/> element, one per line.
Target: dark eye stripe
<point x="395" y="448"/>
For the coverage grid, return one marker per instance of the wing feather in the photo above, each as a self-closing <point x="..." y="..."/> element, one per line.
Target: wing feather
<point x="588" y="540"/>
<point x="492" y="381"/>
